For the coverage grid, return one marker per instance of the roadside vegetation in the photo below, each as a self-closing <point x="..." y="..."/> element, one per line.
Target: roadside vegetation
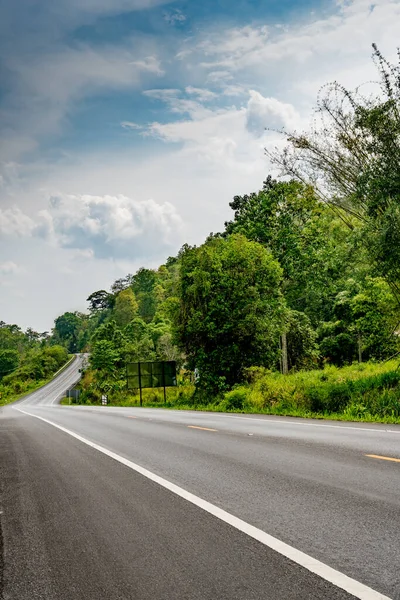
<point x="294" y="308"/>
<point x="358" y="392"/>
<point x="27" y="361"/>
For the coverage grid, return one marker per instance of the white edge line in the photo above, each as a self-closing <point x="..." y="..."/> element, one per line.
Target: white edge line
<point x="338" y="579"/>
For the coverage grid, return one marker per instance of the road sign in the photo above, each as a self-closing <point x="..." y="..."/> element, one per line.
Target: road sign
<point x="156" y="374"/>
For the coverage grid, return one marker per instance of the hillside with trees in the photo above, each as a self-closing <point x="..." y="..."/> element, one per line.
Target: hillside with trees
<point x="304" y="278"/>
<point x="27" y="359"/>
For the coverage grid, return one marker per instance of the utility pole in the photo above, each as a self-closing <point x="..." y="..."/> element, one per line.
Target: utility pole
<point x="285" y="365"/>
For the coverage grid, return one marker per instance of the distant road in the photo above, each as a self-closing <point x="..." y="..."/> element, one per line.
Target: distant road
<point x="146" y="504"/>
<point x="51" y="394"/>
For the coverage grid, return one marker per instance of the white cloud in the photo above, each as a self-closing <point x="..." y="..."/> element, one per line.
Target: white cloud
<point x="206" y="155"/>
<point x="54" y="82"/>
<point x="175" y="18"/>
<point x="236" y="42"/>
<point x="100" y="226"/>
<point x="269" y="113"/>
<point x="131" y="125"/>
<point x="217" y="77"/>
<point x="312" y="52"/>
<point x="14" y="222"/>
<point x="177" y="104"/>
<point x="8" y="268"/>
<point x="233" y="90"/>
<point x="231" y="134"/>
<point x="61" y="76"/>
<point x="162" y="94"/>
<point x="150" y="64"/>
<point x="202" y="94"/>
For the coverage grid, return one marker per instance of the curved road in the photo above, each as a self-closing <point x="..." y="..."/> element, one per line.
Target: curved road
<point x="123" y="503"/>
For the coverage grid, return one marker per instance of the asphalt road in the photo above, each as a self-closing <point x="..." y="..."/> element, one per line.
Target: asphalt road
<point x="151" y="504"/>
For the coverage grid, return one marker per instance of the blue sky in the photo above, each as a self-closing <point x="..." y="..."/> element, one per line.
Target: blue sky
<point x="126" y="126"/>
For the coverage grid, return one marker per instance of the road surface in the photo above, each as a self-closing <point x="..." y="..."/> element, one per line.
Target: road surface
<point x="147" y="504"/>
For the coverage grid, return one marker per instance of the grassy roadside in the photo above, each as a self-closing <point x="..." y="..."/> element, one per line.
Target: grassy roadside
<point x="368" y="392"/>
<point x="32" y="386"/>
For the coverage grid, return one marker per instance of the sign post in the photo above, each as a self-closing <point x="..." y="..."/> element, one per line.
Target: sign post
<point x="156" y="374"/>
<point x="140" y="384"/>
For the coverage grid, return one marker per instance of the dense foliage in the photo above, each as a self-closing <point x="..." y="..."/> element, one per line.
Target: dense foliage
<point x="305" y="276"/>
<point x="26" y="360"/>
<point x="351" y="157"/>
<point x="285" y="263"/>
<point x="231" y="309"/>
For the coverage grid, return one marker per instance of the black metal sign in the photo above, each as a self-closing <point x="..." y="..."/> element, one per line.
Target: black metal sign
<point x="151" y="375"/>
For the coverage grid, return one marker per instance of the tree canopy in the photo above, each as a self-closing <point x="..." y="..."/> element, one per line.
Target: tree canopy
<point x="230" y="310"/>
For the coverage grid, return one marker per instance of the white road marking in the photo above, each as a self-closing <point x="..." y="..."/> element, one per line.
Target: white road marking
<point x="338" y="579"/>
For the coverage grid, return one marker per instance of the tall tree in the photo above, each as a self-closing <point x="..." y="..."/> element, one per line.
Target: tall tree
<point x="9" y="361"/>
<point x="126" y="307"/>
<point x="67" y="328"/>
<point x="231" y="310"/>
<point x="100" y="300"/>
<point x="313" y="246"/>
<point x="143" y="284"/>
<point x="352" y="157"/>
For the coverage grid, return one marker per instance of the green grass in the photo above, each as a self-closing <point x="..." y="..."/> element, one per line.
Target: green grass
<point x="368" y="392"/>
<point x="30" y="387"/>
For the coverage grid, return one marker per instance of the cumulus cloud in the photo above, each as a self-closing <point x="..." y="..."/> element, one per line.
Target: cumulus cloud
<point x="269" y="113"/>
<point x="225" y="126"/>
<point x="100" y="226"/>
<point x="14" y="222"/>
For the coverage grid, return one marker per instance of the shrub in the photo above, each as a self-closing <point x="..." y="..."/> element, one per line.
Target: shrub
<point x="236" y="399"/>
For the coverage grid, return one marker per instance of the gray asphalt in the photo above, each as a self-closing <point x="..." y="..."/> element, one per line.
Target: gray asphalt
<point x="77" y="524"/>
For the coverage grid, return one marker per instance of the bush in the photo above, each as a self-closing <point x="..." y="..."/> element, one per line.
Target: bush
<point x="236" y="399"/>
<point x="356" y="391"/>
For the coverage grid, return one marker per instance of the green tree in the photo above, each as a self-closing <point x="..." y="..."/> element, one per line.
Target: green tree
<point x="121" y="284"/>
<point x="126" y="307"/>
<point x="312" y="245"/>
<point x="100" y="300"/>
<point x="66" y="329"/>
<point x="352" y="156"/>
<point x="9" y="361"/>
<point x="364" y="323"/>
<point x="104" y="357"/>
<point x="302" y="344"/>
<point x="143" y="284"/>
<point x="231" y="310"/>
<point x="139" y="343"/>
